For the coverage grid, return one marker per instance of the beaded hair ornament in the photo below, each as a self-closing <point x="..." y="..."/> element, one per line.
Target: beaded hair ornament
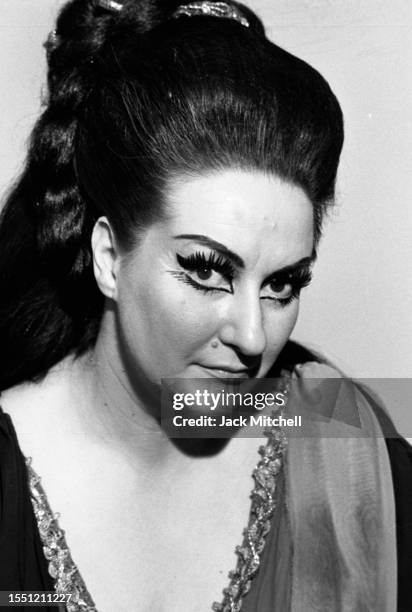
<point x="205" y="7"/>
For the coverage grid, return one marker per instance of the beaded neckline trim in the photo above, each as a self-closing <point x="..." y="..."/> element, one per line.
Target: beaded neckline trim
<point x="68" y="579"/>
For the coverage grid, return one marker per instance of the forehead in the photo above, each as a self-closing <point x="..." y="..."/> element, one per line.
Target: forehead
<point x="253" y="214"/>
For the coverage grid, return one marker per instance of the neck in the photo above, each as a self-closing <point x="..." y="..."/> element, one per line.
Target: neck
<point x="117" y="409"/>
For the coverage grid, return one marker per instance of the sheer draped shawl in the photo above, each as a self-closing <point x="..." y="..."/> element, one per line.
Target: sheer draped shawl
<point x="339" y="499"/>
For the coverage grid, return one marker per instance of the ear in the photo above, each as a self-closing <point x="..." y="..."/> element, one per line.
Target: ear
<point x="105" y="257"/>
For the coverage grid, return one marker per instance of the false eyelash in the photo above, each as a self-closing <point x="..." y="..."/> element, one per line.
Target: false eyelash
<point x="182" y="276"/>
<point x="215" y="262"/>
<point x="298" y="279"/>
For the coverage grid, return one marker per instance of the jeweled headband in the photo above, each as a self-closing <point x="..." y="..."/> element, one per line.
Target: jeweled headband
<point x="206" y="8"/>
<point x="211" y="9"/>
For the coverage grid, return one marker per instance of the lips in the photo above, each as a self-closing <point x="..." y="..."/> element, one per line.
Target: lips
<point x="225" y="372"/>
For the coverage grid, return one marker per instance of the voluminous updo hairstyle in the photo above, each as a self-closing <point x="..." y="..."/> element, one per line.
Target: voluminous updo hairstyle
<point x="135" y="98"/>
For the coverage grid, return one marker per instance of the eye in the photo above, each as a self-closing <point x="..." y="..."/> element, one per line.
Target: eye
<point x="207" y="273"/>
<point x="204" y="273"/>
<point x="285" y="288"/>
<point x="279" y="290"/>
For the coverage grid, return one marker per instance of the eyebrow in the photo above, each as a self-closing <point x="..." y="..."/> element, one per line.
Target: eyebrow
<point x="237" y="260"/>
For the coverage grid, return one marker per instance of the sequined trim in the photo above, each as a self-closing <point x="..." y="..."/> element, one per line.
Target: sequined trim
<point x="69" y="580"/>
<point x="262" y="508"/>
<point x="61" y="568"/>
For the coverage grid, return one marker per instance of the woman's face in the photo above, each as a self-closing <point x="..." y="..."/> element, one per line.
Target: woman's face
<point x="214" y="290"/>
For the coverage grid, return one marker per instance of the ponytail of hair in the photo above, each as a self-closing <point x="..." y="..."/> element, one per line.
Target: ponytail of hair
<point x="49" y="302"/>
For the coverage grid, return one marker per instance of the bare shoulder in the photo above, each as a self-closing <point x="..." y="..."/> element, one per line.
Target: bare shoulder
<point x="25" y="400"/>
<point x="30" y="400"/>
<point x="37" y="409"/>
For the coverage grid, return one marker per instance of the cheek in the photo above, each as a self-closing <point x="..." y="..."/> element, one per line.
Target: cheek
<point x="278" y="330"/>
<point x="185" y="312"/>
<point x="291" y="315"/>
<point x="186" y="322"/>
<point x="169" y="319"/>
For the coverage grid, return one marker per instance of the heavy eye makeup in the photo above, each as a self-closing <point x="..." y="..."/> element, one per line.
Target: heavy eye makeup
<point x="212" y="272"/>
<point x="284" y="287"/>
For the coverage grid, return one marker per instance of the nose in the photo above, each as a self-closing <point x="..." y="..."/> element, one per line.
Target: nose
<point x="243" y="325"/>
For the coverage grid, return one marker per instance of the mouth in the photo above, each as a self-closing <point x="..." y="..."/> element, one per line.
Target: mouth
<point x="226" y="373"/>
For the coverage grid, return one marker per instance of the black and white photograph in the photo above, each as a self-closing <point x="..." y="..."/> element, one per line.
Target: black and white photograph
<point x="205" y="305"/>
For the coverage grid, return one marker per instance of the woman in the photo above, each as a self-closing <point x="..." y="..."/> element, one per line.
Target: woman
<point x="165" y="223"/>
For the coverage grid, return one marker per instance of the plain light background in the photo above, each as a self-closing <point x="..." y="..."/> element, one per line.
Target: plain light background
<point x="358" y="310"/>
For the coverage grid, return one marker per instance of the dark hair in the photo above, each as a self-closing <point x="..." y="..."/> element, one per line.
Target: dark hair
<point x="135" y="98"/>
